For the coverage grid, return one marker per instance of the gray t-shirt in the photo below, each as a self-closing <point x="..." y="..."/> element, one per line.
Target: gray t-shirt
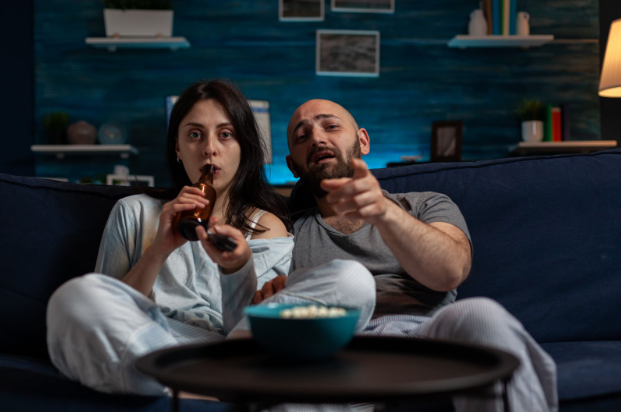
<point x="397" y="292"/>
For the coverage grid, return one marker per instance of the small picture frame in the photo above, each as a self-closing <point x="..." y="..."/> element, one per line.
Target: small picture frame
<point x="363" y="6"/>
<point x="261" y="111"/>
<point x="130" y="180"/>
<point x="446" y="141"/>
<point x="348" y="53"/>
<point x="301" y="10"/>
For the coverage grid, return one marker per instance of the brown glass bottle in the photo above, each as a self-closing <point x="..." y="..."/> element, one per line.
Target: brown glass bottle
<point x="189" y="219"/>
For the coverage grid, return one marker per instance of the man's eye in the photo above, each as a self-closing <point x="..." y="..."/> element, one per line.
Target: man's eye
<point x="332" y="126"/>
<point x="302" y="136"/>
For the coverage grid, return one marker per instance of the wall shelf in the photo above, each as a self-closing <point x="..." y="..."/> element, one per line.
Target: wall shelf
<point x="464" y="41"/>
<point x="575" y="146"/>
<point x="112" y="43"/>
<point x="123" y="150"/>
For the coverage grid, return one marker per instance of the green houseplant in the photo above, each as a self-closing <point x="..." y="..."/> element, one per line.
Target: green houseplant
<point x="138" y="18"/>
<point x="531" y="114"/>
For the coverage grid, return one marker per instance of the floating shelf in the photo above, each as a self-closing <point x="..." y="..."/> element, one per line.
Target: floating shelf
<point x="463" y="41"/>
<point x="112" y="43"/>
<point x="60" y="150"/>
<point x="583" y="146"/>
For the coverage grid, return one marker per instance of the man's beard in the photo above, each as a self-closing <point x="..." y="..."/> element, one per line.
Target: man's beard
<point x="316" y="173"/>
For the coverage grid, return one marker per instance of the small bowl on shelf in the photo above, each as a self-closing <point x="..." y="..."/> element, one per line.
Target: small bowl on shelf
<point x="280" y="331"/>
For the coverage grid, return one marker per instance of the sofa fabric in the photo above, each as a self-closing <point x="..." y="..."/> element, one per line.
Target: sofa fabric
<point x="547" y="245"/>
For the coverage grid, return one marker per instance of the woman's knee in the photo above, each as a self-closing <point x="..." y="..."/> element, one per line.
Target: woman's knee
<point x="75" y="301"/>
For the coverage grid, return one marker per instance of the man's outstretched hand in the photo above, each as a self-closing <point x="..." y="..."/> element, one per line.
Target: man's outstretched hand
<point x="359" y="197"/>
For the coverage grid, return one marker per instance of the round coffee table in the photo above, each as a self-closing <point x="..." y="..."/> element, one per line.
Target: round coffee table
<point x="370" y="369"/>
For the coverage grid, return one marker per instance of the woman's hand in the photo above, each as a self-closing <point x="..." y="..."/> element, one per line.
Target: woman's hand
<point x="167" y="238"/>
<point x="232" y="261"/>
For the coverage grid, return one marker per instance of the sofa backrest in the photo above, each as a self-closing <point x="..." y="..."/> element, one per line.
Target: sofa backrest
<point x="546" y="232"/>
<point x="50" y="234"/>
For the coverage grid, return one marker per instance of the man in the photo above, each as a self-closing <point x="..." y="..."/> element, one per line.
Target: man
<point x="416" y="246"/>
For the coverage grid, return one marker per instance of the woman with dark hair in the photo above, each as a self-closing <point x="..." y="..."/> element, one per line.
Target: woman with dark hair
<point x="152" y="288"/>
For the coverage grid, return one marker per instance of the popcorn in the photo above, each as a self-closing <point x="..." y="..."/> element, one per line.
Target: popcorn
<point x="312" y="312"/>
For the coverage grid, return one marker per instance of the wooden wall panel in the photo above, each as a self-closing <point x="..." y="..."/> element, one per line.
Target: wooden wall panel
<point x="421" y="79"/>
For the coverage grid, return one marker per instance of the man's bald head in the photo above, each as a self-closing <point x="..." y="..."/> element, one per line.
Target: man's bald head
<point x="316" y="109"/>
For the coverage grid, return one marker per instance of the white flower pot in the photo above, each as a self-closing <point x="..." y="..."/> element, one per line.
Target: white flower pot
<point x="532" y="131"/>
<point x="138" y="23"/>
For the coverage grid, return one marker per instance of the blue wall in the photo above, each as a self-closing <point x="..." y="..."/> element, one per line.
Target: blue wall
<point x="421" y="79"/>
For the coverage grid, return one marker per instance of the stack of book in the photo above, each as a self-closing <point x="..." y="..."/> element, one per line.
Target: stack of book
<point x="556" y="125"/>
<point x="501" y="17"/>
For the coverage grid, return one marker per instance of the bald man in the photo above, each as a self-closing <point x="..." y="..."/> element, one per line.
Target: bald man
<point x="415" y="247"/>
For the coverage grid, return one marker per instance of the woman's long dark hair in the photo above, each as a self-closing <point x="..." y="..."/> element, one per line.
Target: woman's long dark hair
<point x="249" y="188"/>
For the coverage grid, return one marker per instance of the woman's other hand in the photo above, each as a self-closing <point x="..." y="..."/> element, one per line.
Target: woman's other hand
<point x="167" y="238"/>
<point x="231" y="261"/>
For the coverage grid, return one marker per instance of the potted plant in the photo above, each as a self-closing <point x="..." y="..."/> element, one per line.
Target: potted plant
<point x="138" y="18"/>
<point x="56" y="126"/>
<point x="531" y="113"/>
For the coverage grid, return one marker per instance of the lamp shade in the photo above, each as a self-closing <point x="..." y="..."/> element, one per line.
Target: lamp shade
<point x="610" y="82"/>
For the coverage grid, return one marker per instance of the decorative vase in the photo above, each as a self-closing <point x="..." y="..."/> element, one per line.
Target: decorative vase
<point x="478" y="24"/>
<point x="532" y="131"/>
<point x="522" y="24"/>
<point x="81" y="133"/>
<point x="138" y="23"/>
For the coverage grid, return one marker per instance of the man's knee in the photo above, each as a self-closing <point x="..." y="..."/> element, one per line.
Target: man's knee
<point x="475" y="319"/>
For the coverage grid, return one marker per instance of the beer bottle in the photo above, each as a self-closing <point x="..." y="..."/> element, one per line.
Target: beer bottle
<point x="190" y="219"/>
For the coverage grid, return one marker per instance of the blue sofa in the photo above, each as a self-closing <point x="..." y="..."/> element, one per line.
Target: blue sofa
<point x="547" y="241"/>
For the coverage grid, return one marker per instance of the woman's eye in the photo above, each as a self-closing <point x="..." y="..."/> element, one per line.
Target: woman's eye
<point x="226" y="134"/>
<point x="195" y="135"/>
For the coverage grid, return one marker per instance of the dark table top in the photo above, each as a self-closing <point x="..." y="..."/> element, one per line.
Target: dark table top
<point x="369" y="369"/>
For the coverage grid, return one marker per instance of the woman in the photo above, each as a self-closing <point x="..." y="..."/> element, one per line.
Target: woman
<point x="155" y="289"/>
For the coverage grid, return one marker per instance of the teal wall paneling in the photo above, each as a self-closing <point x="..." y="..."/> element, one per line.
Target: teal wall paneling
<point x="421" y="79"/>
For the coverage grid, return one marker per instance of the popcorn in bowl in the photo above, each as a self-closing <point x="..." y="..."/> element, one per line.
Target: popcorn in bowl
<point x="312" y="312"/>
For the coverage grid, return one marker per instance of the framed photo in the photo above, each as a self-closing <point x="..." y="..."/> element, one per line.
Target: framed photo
<point x="446" y="141"/>
<point x="129" y="180"/>
<point x="364" y="6"/>
<point x="348" y="53"/>
<point x="261" y="111"/>
<point x="301" y="10"/>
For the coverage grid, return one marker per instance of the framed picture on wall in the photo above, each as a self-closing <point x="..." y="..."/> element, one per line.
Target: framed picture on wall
<point x="261" y="111"/>
<point x="446" y="141"/>
<point x="348" y="53"/>
<point x="301" y="10"/>
<point x="364" y="6"/>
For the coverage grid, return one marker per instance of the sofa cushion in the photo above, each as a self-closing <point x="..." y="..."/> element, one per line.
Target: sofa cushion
<point x="50" y="233"/>
<point x="586" y="369"/>
<point x="546" y="233"/>
<point x="35" y="385"/>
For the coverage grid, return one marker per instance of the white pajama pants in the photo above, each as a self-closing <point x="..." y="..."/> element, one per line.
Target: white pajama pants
<point x="98" y="326"/>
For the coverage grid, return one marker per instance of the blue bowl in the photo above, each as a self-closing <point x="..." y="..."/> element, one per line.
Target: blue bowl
<point x="302" y="339"/>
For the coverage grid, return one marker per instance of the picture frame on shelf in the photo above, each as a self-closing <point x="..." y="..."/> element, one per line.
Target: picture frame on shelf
<point x="301" y="10"/>
<point x="363" y="6"/>
<point x="129" y="180"/>
<point x="348" y="53"/>
<point x="446" y="139"/>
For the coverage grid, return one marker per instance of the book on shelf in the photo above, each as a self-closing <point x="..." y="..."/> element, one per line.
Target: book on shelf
<point x="547" y="128"/>
<point x="497" y="29"/>
<point x="513" y="18"/>
<point x="487" y="10"/>
<point x="565" y="121"/>
<point x="505" y="16"/>
<point x="556" y="124"/>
